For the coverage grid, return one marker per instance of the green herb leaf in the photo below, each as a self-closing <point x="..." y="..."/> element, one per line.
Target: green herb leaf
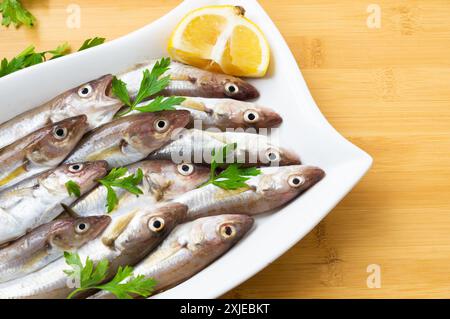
<point x="89" y="43"/>
<point x="73" y="260"/>
<point x="151" y="84"/>
<point x="119" y="89"/>
<point x="115" y="179"/>
<point x="73" y="188"/>
<point x="60" y="50"/>
<point x="234" y="176"/>
<point x="29" y="57"/>
<point x="161" y="104"/>
<point x="13" y="12"/>
<point x="91" y="277"/>
<point x="151" y="81"/>
<point x="24" y="59"/>
<point x="123" y="289"/>
<point x="111" y="199"/>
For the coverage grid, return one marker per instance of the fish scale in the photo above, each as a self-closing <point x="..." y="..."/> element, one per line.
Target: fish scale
<point x="98" y="106"/>
<point x="251" y="149"/>
<point x="129" y="139"/>
<point x="225" y="113"/>
<point x="47" y="243"/>
<point x="188" y="249"/>
<point x="37" y="201"/>
<point x="40" y="150"/>
<point x="158" y="175"/>
<point x="129" y="245"/>
<point x="191" y="81"/>
<point x="269" y="190"/>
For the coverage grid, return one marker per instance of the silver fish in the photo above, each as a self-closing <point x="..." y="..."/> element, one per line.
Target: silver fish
<point x="47" y="243"/>
<point x="191" y="81"/>
<point x="274" y="187"/>
<point x="188" y="249"/>
<point x="163" y="180"/>
<point x="40" y="151"/>
<point x="196" y="146"/>
<point x="129" y="139"/>
<point x="126" y="241"/>
<point x="36" y="201"/>
<point x="227" y="113"/>
<point x="90" y="98"/>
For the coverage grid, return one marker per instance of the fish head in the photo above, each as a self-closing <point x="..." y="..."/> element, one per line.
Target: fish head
<point x="225" y="86"/>
<point x="238" y="114"/>
<point x="287" y="182"/>
<point x="165" y="180"/>
<point x="263" y="152"/>
<point x="219" y="230"/>
<point x="93" y="98"/>
<point x="85" y="175"/>
<point x="57" y="140"/>
<point x="70" y="234"/>
<point x="149" y="226"/>
<point x="150" y="131"/>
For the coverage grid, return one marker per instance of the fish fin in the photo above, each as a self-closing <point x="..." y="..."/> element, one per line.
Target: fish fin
<point x="106" y="153"/>
<point x="4" y="245"/>
<point x="22" y="169"/>
<point x="111" y="234"/>
<point x="225" y="193"/>
<point x="36" y="258"/>
<point x="156" y="189"/>
<point x="182" y="77"/>
<point x="128" y="149"/>
<point x="196" y="105"/>
<point x="70" y="211"/>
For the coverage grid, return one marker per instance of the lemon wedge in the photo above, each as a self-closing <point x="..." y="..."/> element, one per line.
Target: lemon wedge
<point x="221" y="39"/>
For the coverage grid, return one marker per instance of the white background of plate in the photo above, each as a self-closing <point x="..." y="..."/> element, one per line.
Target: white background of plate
<point x="304" y="130"/>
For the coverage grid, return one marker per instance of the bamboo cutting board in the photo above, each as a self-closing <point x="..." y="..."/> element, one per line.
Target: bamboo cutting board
<point x="380" y="73"/>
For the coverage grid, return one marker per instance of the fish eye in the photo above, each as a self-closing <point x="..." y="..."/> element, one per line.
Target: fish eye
<point x="161" y="125"/>
<point x="185" y="169"/>
<point x="231" y="89"/>
<point x="156" y="224"/>
<point x="82" y="227"/>
<point x="272" y="155"/>
<point x="59" y="132"/>
<point x="75" y="168"/>
<point x="296" y="181"/>
<point x="251" y="116"/>
<point x="227" y="231"/>
<point x="85" y="91"/>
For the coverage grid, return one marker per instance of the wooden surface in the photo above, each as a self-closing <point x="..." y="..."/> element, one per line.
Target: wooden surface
<point x="386" y="90"/>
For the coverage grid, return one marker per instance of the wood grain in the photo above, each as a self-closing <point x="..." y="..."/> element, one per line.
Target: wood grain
<point x="386" y="90"/>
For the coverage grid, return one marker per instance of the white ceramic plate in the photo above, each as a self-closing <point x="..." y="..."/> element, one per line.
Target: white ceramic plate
<point x="305" y="130"/>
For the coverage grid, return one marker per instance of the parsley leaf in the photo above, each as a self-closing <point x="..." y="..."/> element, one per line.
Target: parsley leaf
<point x="73" y="188"/>
<point x="60" y="50"/>
<point x="119" y="89"/>
<point x="91" y="277"/>
<point x="136" y="285"/>
<point x="161" y="104"/>
<point x="234" y="176"/>
<point x="14" y="12"/>
<point x="89" y="43"/>
<point x="24" y="59"/>
<point x="151" y="84"/>
<point x="115" y="179"/>
<point x="29" y="57"/>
